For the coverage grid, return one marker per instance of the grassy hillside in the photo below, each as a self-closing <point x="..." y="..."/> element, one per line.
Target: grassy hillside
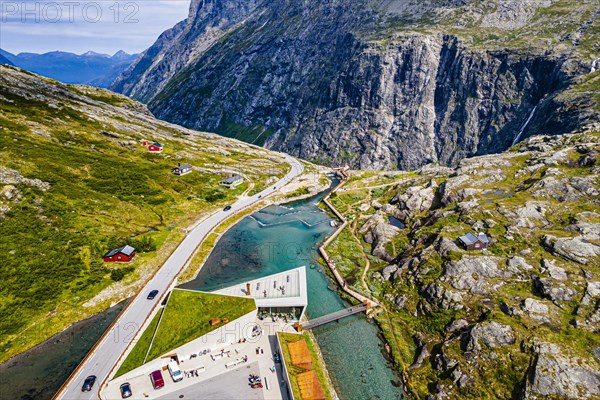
<point x="76" y="181"/>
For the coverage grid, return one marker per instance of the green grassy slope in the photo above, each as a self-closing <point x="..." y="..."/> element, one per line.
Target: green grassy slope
<point x="76" y="181"/>
<point x="185" y="318"/>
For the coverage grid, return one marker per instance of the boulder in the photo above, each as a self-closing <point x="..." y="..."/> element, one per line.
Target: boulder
<point x="442" y="363"/>
<point x="540" y="347"/>
<point x="557" y="273"/>
<point x="387" y="272"/>
<point x="534" y="306"/>
<point x="554" y="375"/>
<point x="416" y="198"/>
<point x="533" y="210"/>
<point x="422" y="355"/>
<point x="592" y="293"/>
<point x="456" y="325"/>
<point x="553" y="291"/>
<point x="575" y="249"/>
<point x="493" y="334"/>
<point x="470" y="272"/>
<point x="444" y="298"/>
<point x="444" y="245"/>
<point x="377" y="231"/>
<point x="490" y="223"/>
<point x="448" y="189"/>
<point x="518" y="264"/>
<point x="589" y="231"/>
<point x="400" y="301"/>
<point x="466" y="206"/>
<point x="11" y="177"/>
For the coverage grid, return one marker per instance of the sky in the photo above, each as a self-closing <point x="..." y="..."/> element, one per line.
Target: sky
<point x="103" y="26"/>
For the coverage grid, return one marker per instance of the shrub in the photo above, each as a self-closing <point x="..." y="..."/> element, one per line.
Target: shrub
<point x="120" y="273"/>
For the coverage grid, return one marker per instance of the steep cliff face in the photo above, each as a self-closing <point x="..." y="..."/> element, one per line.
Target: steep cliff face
<point x="392" y="84"/>
<point x="208" y="21"/>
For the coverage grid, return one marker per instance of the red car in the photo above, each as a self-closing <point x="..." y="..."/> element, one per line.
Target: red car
<point x="157" y="379"/>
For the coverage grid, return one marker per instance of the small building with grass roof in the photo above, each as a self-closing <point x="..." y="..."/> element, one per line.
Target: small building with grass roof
<point x="213" y="333"/>
<point x="190" y="322"/>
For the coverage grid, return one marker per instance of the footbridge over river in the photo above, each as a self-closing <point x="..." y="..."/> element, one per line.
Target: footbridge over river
<point x="335" y="316"/>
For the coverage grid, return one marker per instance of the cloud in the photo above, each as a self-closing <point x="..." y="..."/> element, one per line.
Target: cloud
<point x="79" y="26"/>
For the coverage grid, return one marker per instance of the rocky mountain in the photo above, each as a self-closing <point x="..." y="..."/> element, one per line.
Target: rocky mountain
<point x="4" y="60"/>
<point x="76" y="181"/>
<point x="90" y="68"/>
<point x="380" y="84"/>
<point x="519" y="320"/>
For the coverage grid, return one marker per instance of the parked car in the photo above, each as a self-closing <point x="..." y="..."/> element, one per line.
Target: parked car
<point x="152" y="294"/>
<point x="157" y="379"/>
<point x="88" y="383"/>
<point x="175" y="372"/>
<point x="126" y="390"/>
<point x="227" y="208"/>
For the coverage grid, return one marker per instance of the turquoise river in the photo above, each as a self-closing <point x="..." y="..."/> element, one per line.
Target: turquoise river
<point x="274" y="239"/>
<point x="279" y="238"/>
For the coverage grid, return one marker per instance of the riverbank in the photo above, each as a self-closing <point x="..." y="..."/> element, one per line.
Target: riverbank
<point x="38" y="372"/>
<point x="278" y="238"/>
<point x="316" y="182"/>
<point x="344" y="287"/>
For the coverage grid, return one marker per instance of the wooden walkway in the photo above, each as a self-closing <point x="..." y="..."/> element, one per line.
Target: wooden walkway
<point x="334" y="316"/>
<point x="340" y="279"/>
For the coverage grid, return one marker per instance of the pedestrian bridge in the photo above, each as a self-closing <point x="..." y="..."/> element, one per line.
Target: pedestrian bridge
<point x="335" y="316"/>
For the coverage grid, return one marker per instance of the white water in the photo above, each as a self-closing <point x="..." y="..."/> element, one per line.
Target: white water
<point x="595" y="65"/>
<point x="518" y="136"/>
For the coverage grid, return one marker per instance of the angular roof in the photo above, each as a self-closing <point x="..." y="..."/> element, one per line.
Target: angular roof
<point x="157" y="144"/>
<point x="285" y="289"/>
<point x="300" y="354"/>
<point x="127" y="250"/>
<point x="470" y="238"/>
<point x="184" y="166"/>
<point x="232" y="179"/>
<point x="310" y="387"/>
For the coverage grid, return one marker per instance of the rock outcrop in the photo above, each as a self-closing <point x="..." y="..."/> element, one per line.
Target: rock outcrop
<point x="557" y="376"/>
<point x="521" y="318"/>
<point x="491" y="334"/>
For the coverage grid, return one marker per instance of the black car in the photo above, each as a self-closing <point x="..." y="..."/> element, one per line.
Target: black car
<point x="227" y="208"/>
<point x="126" y="390"/>
<point x="88" y="383"/>
<point x="152" y="294"/>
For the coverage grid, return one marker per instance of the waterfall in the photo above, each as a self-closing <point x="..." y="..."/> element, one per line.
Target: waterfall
<point x="518" y="136"/>
<point x="595" y="65"/>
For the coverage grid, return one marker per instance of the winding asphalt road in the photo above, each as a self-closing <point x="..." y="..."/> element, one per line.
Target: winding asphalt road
<point x="114" y="342"/>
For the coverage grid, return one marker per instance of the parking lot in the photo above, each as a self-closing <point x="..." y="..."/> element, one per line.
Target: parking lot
<point x="217" y="375"/>
<point x="230" y="385"/>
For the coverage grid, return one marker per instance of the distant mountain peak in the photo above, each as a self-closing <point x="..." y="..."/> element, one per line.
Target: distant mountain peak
<point x="94" y="54"/>
<point x="120" y="55"/>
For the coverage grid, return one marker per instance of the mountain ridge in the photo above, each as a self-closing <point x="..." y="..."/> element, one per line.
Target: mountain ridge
<point x="90" y="68"/>
<point x="395" y="84"/>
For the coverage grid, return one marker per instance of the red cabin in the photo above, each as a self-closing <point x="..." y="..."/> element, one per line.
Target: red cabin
<point x="154" y="147"/>
<point x="122" y="254"/>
